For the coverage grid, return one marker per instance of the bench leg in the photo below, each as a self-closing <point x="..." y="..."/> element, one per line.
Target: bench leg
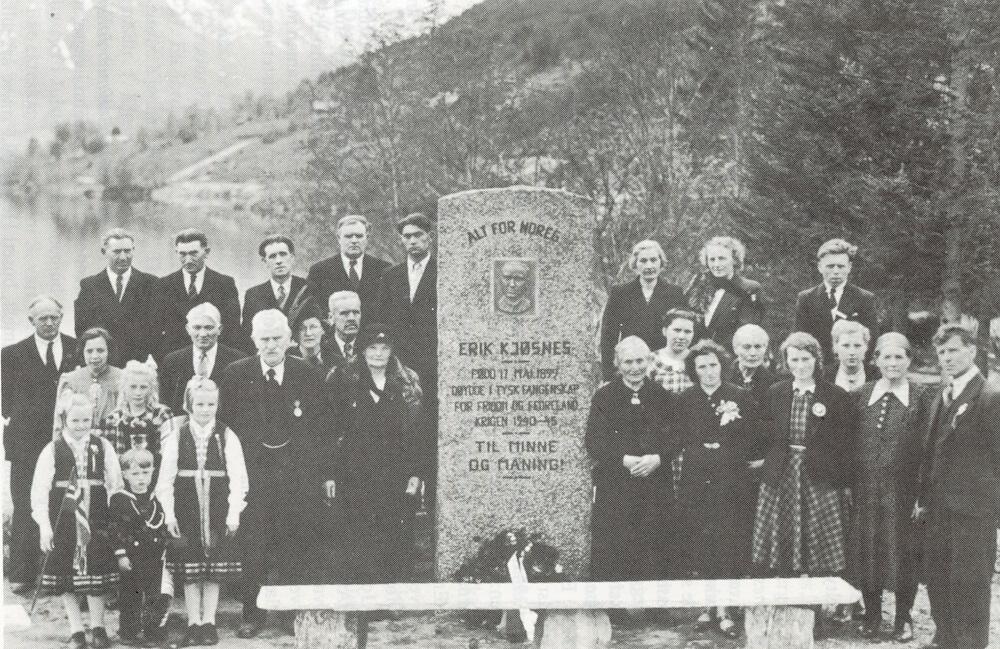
<point x="331" y="630"/>
<point x="779" y="627"/>
<point x="577" y="629"/>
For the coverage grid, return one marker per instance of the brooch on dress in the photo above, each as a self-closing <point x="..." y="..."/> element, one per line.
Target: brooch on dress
<point x="819" y="409"/>
<point x="297" y="411"/>
<point x="635" y="398"/>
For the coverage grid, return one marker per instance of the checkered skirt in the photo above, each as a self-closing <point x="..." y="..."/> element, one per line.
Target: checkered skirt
<point x="800" y="525"/>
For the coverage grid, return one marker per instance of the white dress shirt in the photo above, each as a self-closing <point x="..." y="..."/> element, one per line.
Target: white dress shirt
<point x="798" y="386"/>
<point x="45" y="472"/>
<point x="710" y="311"/>
<point x="199" y="279"/>
<point x="288" y="289"/>
<point x="113" y="277"/>
<point x="57" y="348"/>
<point x="209" y="359"/>
<point x="359" y="264"/>
<point x="279" y="370"/>
<point x="236" y="472"/>
<point x="838" y="292"/>
<point x="416" y="271"/>
<point x="959" y="382"/>
<point x="883" y="387"/>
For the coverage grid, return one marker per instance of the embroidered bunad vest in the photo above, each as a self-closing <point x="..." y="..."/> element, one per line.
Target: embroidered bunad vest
<point x="86" y="502"/>
<point x="201" y="487"/>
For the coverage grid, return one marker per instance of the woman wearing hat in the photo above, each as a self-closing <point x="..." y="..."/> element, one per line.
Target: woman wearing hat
<point x="376" y="414"/>
<point x="307" y="334"/>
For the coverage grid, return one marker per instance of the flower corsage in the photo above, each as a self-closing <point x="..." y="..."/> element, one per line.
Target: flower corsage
<point x="729" y="411"/>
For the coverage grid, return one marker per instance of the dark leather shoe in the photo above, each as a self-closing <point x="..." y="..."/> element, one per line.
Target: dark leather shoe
<point x="249" y="629"/>
<point x="100" y="638"/>
<point x="78" y="640"/>
<point x="209" y="634"/>
<point x="192" y="637"/>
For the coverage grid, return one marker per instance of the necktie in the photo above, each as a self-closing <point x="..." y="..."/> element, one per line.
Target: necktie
<point x="119" y="287"/>
<point x="50" y="359"/>
<point x="353" y="275"/>
<point x="349" y="351"/>
<point x="272" y="376"/>
<point x="831" y="294"/>
<point x="203" y="364"/>
<point x="192" y="288"/>
<point x="282" y="295"/>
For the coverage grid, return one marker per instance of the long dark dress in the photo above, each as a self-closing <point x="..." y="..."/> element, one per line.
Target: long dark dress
<point x="716" y="477"/>
<point x="633" y="527"/>
<point x="376" y="458"/>
<point x="885" y="542"/>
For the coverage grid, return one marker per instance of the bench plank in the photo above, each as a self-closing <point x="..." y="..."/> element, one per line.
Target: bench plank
<point x="575" y="595"/>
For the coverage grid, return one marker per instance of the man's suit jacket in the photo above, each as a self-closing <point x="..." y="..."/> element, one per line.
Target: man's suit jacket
<point x="29" y="396"/>
<point x="261" y="297"/>
<point x="830" y="435"/>
<point x="129" y="321"/>
<point x="415" y="323"/>
<point x="961" y="468"/>
<point x="171" y="305"/>
<point x="328" y="276"/>
<point x="178" y="368"/>
<point x="628" y="314"/>
<point x="813" y="315"/>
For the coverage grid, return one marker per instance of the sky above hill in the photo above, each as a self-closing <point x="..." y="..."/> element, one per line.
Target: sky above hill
<point x="128" y="62"/>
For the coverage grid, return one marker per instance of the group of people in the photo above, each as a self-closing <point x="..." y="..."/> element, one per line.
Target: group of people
<point x="708" y="462"/>
<point x="154" y="455"/>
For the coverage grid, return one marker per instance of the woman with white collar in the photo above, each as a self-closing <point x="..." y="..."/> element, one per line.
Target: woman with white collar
<point x="884" y="543"/>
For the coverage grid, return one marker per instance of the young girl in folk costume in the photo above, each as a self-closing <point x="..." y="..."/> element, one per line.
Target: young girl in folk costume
<point x="138" y="535"/>
<point x="76" y="473"/>
<point x="202" y="486"/>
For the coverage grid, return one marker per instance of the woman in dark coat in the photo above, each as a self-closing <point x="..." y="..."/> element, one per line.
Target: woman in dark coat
<point x="376" y="412"/>
<point x="717" y="426"/>
<point x="725" y="298"/>
<point x="801" y="524"/>
<point x="637" y="308"/>
<point x="885" y="542"/>
<point x="630" y="441"/>
<point x="307" y="334"/>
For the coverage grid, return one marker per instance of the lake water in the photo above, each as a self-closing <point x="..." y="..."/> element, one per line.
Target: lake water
<point x="50" y="244"/>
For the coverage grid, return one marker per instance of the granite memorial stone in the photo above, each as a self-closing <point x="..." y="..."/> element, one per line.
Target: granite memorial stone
<point x="517" y="328"/>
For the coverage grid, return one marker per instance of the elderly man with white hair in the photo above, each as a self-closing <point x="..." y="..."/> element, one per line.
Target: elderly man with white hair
<point x="275" y="404"/>
<point x="205" y="356"/>
<point x="631" y="441"/>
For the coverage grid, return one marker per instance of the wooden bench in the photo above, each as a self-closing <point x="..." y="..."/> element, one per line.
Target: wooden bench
<point x="778" y="613"/>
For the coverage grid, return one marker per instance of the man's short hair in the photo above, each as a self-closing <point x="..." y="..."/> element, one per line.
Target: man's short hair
<point x="837" y="247"/>
<point x="647" y="244"/>
<point x="418" y="219"/>
<point x="847" y="327"/>
<point x="351" y="219"/>
<point x="270" y="318"/>
<point x="116" y="233"/>
<point x="948" y="331"/>
<point x="748" y="330"/>
<point x="44" y="297"/>
<point x="732" y="244"/>
<point x="139" y="458"/>
<point x="275" y="238"/>
<point x="339" y="296"/>
<point x="206" y="309"/>
<point x="189" y="235"/>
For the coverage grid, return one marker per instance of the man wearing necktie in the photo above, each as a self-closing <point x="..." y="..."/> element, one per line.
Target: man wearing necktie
<point x="205" y="356"/>
<point x="29" y="373"/>
<point x="194" y="283"/>
<point x="283" y="290"/>
<point x="960" y="494"/>
<point x="118" y="299"/>
<point x="352" y="269"/>
<point x="835" y="298"/>
<point x="276" y="406"/>
<point x="408" y="301"/>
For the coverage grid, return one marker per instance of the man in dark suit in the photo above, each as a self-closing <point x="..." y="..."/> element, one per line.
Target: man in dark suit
<point x="636" y="308"/>
<point x="119" y="299"/>
<point x="407" y="300"/>
<point x="277" y="407"/>
<point x="205" y="356"/>
<point x="960" y="494"/>
<point x="836" y="298"/>
<point x="351" y="270"/>
<point x="29" y="374"/>
<point x="194" y="283"/>
<point x="345" y="320"/>
<point x="284" y="290"/>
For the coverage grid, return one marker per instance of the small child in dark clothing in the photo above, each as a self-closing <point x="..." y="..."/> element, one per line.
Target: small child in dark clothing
<point x="138" y="535"/>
